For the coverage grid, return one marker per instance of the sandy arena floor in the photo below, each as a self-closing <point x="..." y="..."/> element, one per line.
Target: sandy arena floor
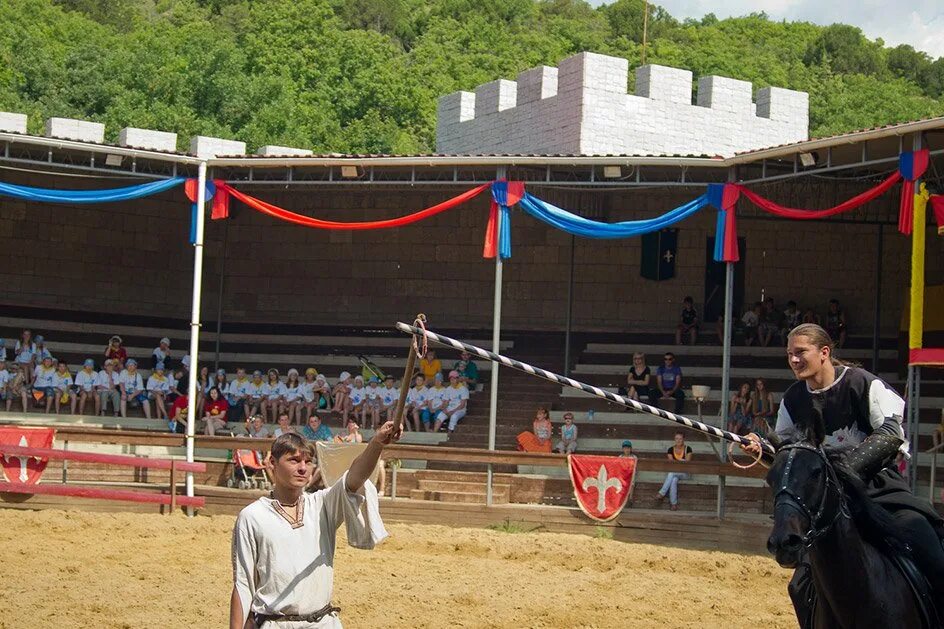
<point x="76" y="569"/>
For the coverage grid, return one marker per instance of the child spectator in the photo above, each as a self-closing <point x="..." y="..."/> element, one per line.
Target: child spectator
<point x="389" y="396"/>
<point x="688" y="322"/>
<point x="373" y="401"/>
<point x="256" y="428"/>
<point x="638" y="380"/>
<point x="63" y="385"/>
<point x="762" y="407"/>
<point x="3" y="351"/>
<point x="835" y="323"/>
<point x="44" y="382"/>
<point x="627" y="450"/>
<point x="810" y="317"/>
<point x="791" y="319"/>
<point x="353" y="434"/>
<point x="255" y="395"/>
<point x="109" y="388"/>
<point x="457" y="401"/>
<point x="41" y="351"/>
<point x="5" y="380"/>
<point x="292" y="397"/>
<point x="24" y="353"/>
<point x="161" y="353"/>
<point x="739" y="413"/>
<point x="132" y="389"/>
<point x="115" y="351"/>
<point x="215" y="411"/>
<point x="430" y="366"/>
<point x="359" y="399"/>
<point x="568" y="442"/>
<point x="283" y="425"/>
<point x="178" y="413"/>
<point x="770" y="322"/>
<point x="309" y="401"/>
<point x="315" y="430"/>
<point x="680" y="453"/>
<point x="237" y="394"/>
<point x="158" y="387"/>
<point x="436" y="400"/>
<point x="468" y="370"/>
<point x="203" y="386"/>
<point x="540" y="439"/>
<point x="669" y="381"/>
<point x="342" y="396"/>
<point x="751" y="321"/>
<point x="17" y="389"/>
<point x="273" y="395"/>
<point x="85" y="382"/>
<point x="417" y="404"/>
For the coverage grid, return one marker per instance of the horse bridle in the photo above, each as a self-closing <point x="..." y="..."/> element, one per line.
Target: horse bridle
<point x="796" y="502"/>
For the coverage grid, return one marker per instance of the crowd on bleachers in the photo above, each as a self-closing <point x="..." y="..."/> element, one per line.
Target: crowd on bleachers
<point x="247" y="403"/>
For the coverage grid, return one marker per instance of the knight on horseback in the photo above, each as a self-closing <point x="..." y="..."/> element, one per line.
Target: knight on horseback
<point x="846" y="406"/>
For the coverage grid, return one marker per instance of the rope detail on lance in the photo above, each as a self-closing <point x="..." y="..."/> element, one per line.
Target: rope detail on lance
<point x="592" y="390"/>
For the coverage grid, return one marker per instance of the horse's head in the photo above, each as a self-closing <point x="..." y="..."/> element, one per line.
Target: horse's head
<point x="807" y="499"/>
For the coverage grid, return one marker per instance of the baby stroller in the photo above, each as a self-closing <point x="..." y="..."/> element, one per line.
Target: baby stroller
<point x="248" y="471"/>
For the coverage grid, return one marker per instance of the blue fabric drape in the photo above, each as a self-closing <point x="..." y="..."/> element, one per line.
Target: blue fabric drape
<point x="579" y="226"/>
<point x="500" y="196"/>
<point x="29" y="193"/>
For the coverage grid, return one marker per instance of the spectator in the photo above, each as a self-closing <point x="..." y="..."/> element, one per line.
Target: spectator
<point x="430" y="366"/>
<point x="389" y="396"/>
<point x="17" y="389"/>
<point x="568" y="442"/>
<point x="161" y="353"/>
<point x="315" y="430"/>
<point x="353" y="434"/>
<point x="256" y="428"/>
<point x="24" y="353"/>
<point x="679" y="453"/>
<point x="177" y="383"/>
<point x="688" y="322"/>
<point x="638" y="380"/>
<point x="436" y="400"/>
<point x="5" y="380"/>
<point x="63" y="385"/>
<point x="308" y="400"/>
<point x="85" y="381"/>
<point x="457" y="401"/>
<point x="109" y="388"/>
<point x="739" y="413"/>
<point x="116" y="351"/>
<point x="342" y="396"/>
<point x="627" y="450"/>
<point x="540" y="439"/>
<point x="215" y="411"/>
<point x="359" y="399"/>
<point x="810" y="317"/>
<point x="44" y="382"/>
<point x="203" y="386"/>
<point x="283" y="426"/>
<point x="791" y="319"/>
<point x="273" y="395"/>
<point x="3" y="351"/>
<point x="320" y="394"/>
<point x="132" y="389"/>
<point x="41" y="350"/>
<point x="158" y="388"/>
<point x="178" y="413"/>
<point x="835" y="323"/>
<point x="770" y="323"/>
<point x="372" y="401"/>
<point x="255" y="395"/>
<point x="468" y="370"/>
<point x="762" y="407"/>
<point x="669" y="381"/>
<point x="751" y="321"/>
<point x="417" y="404"/>
<point x="292" y="399"/>
<point x="237" y="394"/>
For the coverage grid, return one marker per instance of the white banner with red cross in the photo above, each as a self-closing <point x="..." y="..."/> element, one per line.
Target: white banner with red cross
<point x="22" y="468"/>
<point x="602" y="484"/>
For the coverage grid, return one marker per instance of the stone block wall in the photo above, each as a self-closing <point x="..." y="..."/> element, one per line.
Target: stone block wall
<point x="582" y="107"/>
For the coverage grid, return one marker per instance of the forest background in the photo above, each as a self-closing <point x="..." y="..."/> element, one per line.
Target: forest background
<point x="363" y="76"/>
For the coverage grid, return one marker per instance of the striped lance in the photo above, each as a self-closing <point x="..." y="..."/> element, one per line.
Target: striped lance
<point x="595" y="391"/>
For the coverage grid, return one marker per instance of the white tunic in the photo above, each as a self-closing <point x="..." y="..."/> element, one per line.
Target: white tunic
<point x="278" y="569"/>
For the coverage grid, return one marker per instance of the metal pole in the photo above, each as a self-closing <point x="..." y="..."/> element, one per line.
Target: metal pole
<point x="915" y="426"/>
<point x="496" y="347"/>
<point x="219" y="303"/>
<point x="876" y="329"/>
<point x="570" y="308"/>
<point x="726" y="359"/>
<point x="195" y="324"/>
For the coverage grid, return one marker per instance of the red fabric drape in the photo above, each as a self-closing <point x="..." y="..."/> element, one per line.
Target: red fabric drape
<point x="937" y="205"/>
<point x="851" y="204"/>
<point x="490" y="250"/>
<point x="307" y="221"/>
<point x="906" y="208"/>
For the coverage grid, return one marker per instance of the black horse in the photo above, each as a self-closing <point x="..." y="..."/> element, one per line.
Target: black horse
<point x="821" y="507"/>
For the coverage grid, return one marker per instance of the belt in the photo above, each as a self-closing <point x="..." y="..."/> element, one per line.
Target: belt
<point x="317" y="616"/>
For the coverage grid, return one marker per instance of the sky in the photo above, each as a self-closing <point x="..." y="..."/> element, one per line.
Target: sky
<point x="919" y="22"/>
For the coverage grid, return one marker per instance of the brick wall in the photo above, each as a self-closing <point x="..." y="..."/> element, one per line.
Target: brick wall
<point x="134" y="258"/>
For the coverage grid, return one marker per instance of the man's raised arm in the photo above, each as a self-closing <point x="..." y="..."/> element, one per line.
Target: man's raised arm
<point x="363" y="466"/>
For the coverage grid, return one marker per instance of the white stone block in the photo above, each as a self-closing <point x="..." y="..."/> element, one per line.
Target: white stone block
<point x="270" y="150"/>
<point x="71" y="129"/>
<point x="495" y="96"/>
<point x="590" y="71"/>
<point x="12" y="122"/>
<point x="206" y="147"/>
<point x="537" y="84"/>
<point x="664" y="83"/>
<point x="147" y="139"/>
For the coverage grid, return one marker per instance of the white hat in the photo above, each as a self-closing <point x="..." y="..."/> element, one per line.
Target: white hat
<point x="165" y="341"/>
<point x="344" y="376"/>
<point x="185" y="361"/>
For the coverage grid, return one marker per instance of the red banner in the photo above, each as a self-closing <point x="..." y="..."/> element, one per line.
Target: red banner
<point x="602" y="484"/>
<point x="24" y="469"/>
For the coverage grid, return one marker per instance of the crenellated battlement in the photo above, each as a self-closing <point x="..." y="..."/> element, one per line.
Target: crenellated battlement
<point x="582" y="106"/>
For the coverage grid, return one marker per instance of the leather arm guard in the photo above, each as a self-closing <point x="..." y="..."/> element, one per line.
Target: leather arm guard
<point x="877" y="451"/>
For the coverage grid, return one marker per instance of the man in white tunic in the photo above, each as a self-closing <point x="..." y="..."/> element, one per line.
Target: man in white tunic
<point x="283" y="545"/>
